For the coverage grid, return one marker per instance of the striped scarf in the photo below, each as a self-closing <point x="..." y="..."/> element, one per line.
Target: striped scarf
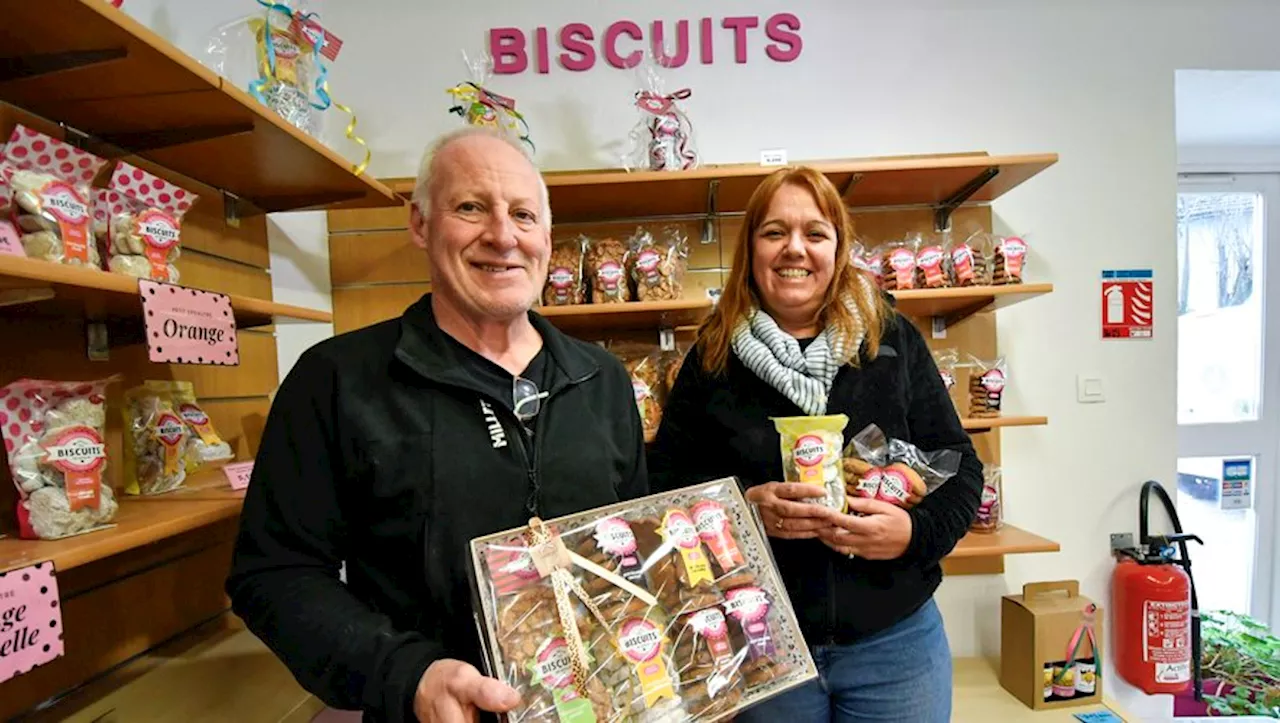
<point x="775" y="356"/>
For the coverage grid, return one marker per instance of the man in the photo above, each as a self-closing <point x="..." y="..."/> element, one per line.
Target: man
<point x="389" y="448"/>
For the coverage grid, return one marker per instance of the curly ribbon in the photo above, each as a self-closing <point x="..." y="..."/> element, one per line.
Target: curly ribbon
<point x="553" y="559"/>
<point x="473" y="98"/>
<point x="268" y="71"/>
<point x="1084" y="631"/>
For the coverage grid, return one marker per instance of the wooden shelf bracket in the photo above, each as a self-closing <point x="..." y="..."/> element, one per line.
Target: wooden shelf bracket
<point x="849" y="185"/>
<point x="31" y="66"/>
<point x="143" y="141"/>
<point x="943" y="211"/>
<point x="709" y="223"/>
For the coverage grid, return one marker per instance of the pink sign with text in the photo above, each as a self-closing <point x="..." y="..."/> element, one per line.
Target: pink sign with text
<point x="10" y="241"/>
<point x="188" y="326"/>
<point x="30" y="619"/>
<point x="238" y="474"/>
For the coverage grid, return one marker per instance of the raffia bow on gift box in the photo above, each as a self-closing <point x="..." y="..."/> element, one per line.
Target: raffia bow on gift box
<point x="552" y="559"/>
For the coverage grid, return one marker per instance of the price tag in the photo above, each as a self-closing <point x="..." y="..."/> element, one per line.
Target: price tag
<point x="238" y="474"/>
<point x="10" y="241"/>
<point x="773" y="157"/>
<point x="30" y="619"/>
<point x="188" y="326"/>
<point x="315" y="33"/>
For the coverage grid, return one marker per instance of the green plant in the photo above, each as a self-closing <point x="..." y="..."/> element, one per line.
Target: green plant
<point x="1241" y="653"/>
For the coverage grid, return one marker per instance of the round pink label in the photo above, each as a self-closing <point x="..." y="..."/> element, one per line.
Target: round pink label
<point x="809" y="450"/>
<point x="680" y="530"/>
<point x="79" y="449"/>
<point x="561" y="278"/>
<point x="709" y="623"/>
<point x="615" y="537"/>
<point x="992" y="380"/>
<point x="553" y="665"/>
<point x="930" y="256"/>
<point x="63" y="201"/>
<point x="902" y="259"/>
<point x="893" y="486"/>
<point x="158" y="229"/>
<point x="610" y="273"/>
<point x="193" y="414"/>
<point x="648" y="260"/>
<point x="1014" y="247"/>
<point x="709" y="518"/>
<point x="639" y="640"/>
<point x="169" y="428"/>
<point x="747" y="604"/>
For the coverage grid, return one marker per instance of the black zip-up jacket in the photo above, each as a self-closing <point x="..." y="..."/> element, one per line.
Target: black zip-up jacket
<point x="377" y="453"/>
<point x="717" y="426"/>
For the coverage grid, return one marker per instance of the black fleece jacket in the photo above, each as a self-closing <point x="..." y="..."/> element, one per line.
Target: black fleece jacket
<point x="380" y="451"/>
<point x="717" y="426"/>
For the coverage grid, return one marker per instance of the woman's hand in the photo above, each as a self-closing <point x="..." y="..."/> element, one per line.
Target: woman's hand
<point x="883" y="533"/>
<point x="785" y="513"/>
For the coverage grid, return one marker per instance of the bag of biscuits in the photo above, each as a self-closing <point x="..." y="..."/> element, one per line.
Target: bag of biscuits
<point x="894" y="470"/>
<point x="156" y="441"/>
<point x="143" y="223"/>
<point x="969" y="261"/>
<point x="990" y="516"/>
<point x="810" y="448"/>
<point x="987" y="380"/>
<point x="606" y="266"/>
<point x="1008" y="259"/>
<point x="931" y="270"/>
<point x="657" y="264"/>
<point x="49" y="182"/>
<point x="667" y="607"/>
<point x="55" y="438"/>
<point x="644" y="363"/>
<point x="565" y="281"/>
<point x="899" y="270"/>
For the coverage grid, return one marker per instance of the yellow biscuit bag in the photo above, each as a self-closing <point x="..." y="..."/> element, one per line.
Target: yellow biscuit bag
<point x="811" y="449"/>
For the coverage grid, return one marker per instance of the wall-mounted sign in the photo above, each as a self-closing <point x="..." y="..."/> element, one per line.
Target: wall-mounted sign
<point x="622" y="44"/>
<point x="188" y="326"/>
<point x="1127" y="301"/>
<point x="30" y="619"/>
<point x="1237" y="483"/>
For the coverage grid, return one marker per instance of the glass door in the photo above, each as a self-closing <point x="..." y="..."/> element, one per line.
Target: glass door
<point x="1229" y="386"/>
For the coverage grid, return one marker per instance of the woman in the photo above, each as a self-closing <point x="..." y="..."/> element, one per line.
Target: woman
<point x="800" y="331"/>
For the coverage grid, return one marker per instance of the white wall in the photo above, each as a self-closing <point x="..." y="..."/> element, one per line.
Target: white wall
<point x="1090" y="79"/>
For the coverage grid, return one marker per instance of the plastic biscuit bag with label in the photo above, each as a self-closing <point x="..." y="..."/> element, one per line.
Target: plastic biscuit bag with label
<point x="566" y="283"/>
<point x="987" y="382"/>
<point x="55" y="437"/>
<point x="51" y="197"/>
<point x="606" y="264"/>
<point x="657" y="264"/>
<point x="156" y="441"/>
<point x="810" y="449"/>
<point x="893" y="470"/>
<point x="143" y="223"/>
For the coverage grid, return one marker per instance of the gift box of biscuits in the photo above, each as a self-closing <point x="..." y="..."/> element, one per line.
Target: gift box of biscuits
<point x="664" y="608"/>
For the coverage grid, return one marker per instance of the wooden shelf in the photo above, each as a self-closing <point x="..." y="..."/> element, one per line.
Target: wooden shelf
<point x="931" y="181"/>
<point x="627" y="316"/>
<point x="92" y="67"/>
<point x="104" y="296"/>
<point x="956" y="303"/>
<point x="980" y="425"/>
<point x="137" y="524"/>
<point x="1008" y="540"/>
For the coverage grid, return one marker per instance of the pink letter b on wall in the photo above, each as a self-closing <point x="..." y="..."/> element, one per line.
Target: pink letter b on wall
<point x="507" y="47"/>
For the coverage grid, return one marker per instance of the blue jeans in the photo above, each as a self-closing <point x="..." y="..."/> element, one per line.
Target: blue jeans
<point x="902" y="673"/>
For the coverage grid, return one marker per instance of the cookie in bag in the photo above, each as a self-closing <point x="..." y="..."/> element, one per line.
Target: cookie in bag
<point x="143" y="225"/>
<point x="606" y="265"/>
<point x="657" y="264"/>
<point x="49" y="183"/>
<point x="55" y="439"/>
<point x="565" y="282"/>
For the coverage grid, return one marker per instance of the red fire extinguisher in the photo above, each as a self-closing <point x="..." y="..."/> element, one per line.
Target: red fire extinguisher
<point x="1156" y="617"/>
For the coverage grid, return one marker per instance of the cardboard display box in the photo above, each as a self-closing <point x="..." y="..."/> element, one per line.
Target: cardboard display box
<point x="1036" y="633"/>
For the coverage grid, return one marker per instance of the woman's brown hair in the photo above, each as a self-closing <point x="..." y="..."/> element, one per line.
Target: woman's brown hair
<point x="740" y="292"/>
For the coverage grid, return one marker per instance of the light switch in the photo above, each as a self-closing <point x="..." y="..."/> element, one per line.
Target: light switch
<point x="1089" y="390"/>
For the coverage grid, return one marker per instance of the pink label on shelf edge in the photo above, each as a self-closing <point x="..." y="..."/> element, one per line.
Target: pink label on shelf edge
<point x="10" y="241"/>
<point x="188" y="326"/>
<point x="30" y="619"/>
<point x="238" y="474"/>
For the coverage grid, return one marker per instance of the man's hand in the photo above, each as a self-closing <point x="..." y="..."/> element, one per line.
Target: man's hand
<point x="882" y="534"/>
<point x="452" y="691"/>
<point x="785" y="512"/>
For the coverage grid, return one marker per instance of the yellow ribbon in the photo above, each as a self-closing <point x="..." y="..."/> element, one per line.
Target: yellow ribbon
<point x="351" y="135"/>
<point x="552" y="559"/>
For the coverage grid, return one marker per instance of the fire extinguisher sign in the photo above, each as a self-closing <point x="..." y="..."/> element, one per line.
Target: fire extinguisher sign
<point x="1127" y="300"/>
<point x="1166" y="639"/>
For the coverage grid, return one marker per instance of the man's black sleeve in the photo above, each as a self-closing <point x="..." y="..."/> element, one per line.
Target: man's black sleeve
<point x="944" y="516"/>
<point x="674" y="460"/>
<point x="284" y="580"/>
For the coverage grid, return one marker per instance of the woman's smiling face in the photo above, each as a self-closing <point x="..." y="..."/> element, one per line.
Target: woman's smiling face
<point x="793" y="258"/>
